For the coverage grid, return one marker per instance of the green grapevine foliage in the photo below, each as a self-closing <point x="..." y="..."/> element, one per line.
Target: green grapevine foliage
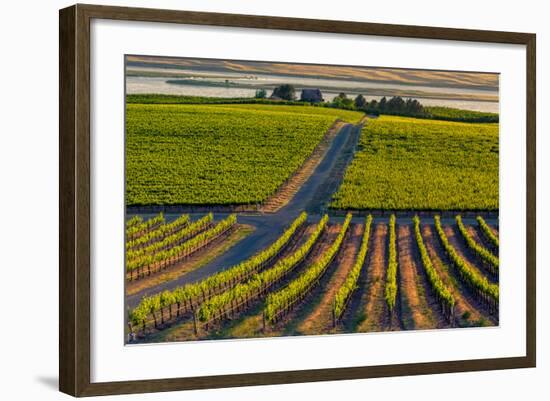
<point x="344" y="292"/>
<point x="133" y="221"/>
<point x="261" y="281"/>
<point x="413" y="164"/>
<point x="284" y="299"/>
<point x="143" y="256"/>
<point x="390" y="292"/>
<point x="487" y="292"/>
<point x="197" y="293"/>
<point x="487" y="257"/>
<point x="491" y="237"/>
<point x="205" y="154"/>
<point x="158" y="233"/>
<point x="441" y="291"/>
<point x="136" y="230"/>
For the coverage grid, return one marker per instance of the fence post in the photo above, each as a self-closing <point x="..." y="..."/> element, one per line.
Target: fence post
<point x="131" y="334"/>
<point x="195" y="328"/>
<point x="454" y="317"/>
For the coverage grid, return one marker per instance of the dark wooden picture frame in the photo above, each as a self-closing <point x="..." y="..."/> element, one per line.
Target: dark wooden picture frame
<point x="74" y="203"/>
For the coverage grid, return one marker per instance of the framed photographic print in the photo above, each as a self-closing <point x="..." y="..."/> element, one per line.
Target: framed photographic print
<point x="261" y="200"/>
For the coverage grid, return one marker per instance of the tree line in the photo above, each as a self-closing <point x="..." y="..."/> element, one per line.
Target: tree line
<point x="395" y="105"/>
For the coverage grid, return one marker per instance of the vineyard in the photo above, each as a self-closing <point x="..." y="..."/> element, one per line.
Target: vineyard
<point x="414" y="164"/>
<point x="160" y="245"/>
<point x="179" y="154"/>
<point x="290" y="285"/>
<point x="263" y="219"/>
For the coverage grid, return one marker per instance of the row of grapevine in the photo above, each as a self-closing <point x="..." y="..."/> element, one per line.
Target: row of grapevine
<point x="282" y="301"/>
<point x="136" y="230"/>
<point x="168" y="257"/>
<point x="390" y="293"/>
<point x="486" y="292"/>
<point x="139" y="257"/>
<point x="442" y="292"/>
<point x="487" y="232"/>
<point x="489" y="260"/>
<point x="159" y="233"/>
<point x="344" y="292"/>
<point x="190" y="296"/>
<point x="226" y="302"/>
<point x="134" y="221"/>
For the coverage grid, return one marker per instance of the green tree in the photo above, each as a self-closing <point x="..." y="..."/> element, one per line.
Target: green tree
<point x="343" y="102"/>
<point x="360" y="102"/>
<point x="285" y="92"/>
<point x="396" y="105"/>
<point x="373" y="105"/>
<point x="382" y="104"/>
<point x="413" y="107"/>
<point x="348" y="104"/>
<point x="260" y="94"/>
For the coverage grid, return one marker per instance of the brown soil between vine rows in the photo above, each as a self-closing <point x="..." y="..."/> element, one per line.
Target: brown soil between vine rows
<point x="319" y="321"/>
<point x="416" y="309"/>
<point x="372" y="313"/>
<point x="459" y="244"/>
<point x="468" y="311"/>
<point x="480" y="238"/>
<point x="289" y="324"/>
<point x="416" y="312"/>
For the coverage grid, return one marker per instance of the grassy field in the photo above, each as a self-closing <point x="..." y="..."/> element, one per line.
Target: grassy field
<point x="218" y="154"/>
<point x="414" y="164"/>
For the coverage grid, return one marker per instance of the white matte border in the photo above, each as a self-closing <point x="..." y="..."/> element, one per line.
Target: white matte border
<point x="112" y="361"/>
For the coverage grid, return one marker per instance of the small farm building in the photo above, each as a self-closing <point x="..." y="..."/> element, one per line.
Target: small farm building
<point x="311" y="95"/>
